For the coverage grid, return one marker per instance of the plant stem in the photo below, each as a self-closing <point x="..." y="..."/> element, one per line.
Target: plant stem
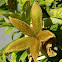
<point x="4" y="25"/>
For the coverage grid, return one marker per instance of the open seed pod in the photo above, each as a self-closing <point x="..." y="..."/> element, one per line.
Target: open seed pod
<point x="48" y="47"/>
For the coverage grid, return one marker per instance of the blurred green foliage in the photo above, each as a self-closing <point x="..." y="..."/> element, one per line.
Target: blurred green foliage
<point x="20" y="9"/>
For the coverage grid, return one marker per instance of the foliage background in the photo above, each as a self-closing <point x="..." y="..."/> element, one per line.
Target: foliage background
<point x="52" y="17"/>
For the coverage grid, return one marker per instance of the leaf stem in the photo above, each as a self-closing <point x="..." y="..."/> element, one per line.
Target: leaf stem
<point x="4" y="25"/>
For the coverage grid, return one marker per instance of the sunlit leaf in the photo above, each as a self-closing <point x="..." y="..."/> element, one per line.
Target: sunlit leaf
<point x="22" y="2"/>
<point x="57" y="13"/>
<point x="60" y="60"/>
<point x="34" y="49"/>
<point x="1" y="60"/>
<point x="6" y="19"/>
<point x="56" y="20"/>
<point x="44" y="2"/>
<point x="2" y="57"/>
<point x="23" y="56"/>
<point x="2" y="2"/>
<point x="19" y="45"/>
<point x="45" y="60"/>
<point x="8" y="30"/>
<point x="54" y="27"/>
<point x="32" y="1"/>
<point x="13" y="57"/>
<point x="36" y="15"/>
<point x="30" y="59"/>
<point x="45" y="35"/>
<point x="22" y="26"/>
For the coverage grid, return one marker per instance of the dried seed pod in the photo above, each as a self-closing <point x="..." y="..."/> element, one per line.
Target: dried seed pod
<point x="48" y="46"/>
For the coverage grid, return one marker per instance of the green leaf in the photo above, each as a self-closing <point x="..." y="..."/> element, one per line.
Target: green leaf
<point x="61" y="28"/>
<point x="45" y="35"/>
<point x="19" y="45"/>
<point x="13" y="57"/>
<point x="22" y="26"/>
<point x="34" y="49"/>
<point x="25" y="16"/>
<point x="8" y="30"/>
<point x="14" y="34"/>
<point x="57" y="13"/>
<point x="19" y="55"/>
<point x="1" y="60"/>
<point x="3" y="11"/>
<point x="22" y="2"/>
<point x="7" y="20"/>
<point x="6" y="15"/>
<point x="47" y="22"/>
<point x="36" y="15"/>
<point x="2" y="54"/>
<point x="2" y="57"/>
<point x="32" y="1"/>
<point x="44" y="2"/>
<point x="1" y="23"/>
<point x="54" y="27"/>
<point x="56" y="20"/>
<point x="12" y="15"/>
<point x="2" y="19"/>
<point x="23" y="56"/>
<point x="2" y="2"/>
<point x="30" y="59"/>
<point x="5" y="25"/>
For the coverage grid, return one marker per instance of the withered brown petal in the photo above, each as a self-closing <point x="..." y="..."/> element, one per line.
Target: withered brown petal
<point x="36" y="15"/>
<point x="51" y="53"/>
<point x="20" y="44"/>
<point x="22" y="26"/>
<point x="45" y="35"/>
<point x="34" y="49"/>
